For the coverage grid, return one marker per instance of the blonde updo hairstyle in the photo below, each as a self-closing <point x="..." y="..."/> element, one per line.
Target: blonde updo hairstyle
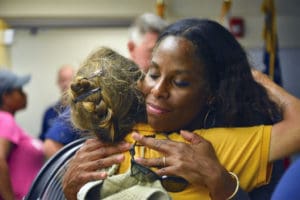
<point x="104" y="98"/>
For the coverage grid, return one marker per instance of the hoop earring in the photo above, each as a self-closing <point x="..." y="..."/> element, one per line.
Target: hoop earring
<point x="210" y="112"/>
<point x="205" y="119"/>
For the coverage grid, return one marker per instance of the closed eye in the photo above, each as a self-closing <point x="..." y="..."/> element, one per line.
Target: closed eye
<point x="154" y="76"/>
<point x="181" y="83"/>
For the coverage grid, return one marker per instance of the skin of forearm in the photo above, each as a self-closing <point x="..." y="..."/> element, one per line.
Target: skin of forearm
<point x="227" y="185"/>
<point x="221" y="185"/>
<point x="285" y="141"/>
<point x="6" y="190"/>
<point x="51" y="147"/>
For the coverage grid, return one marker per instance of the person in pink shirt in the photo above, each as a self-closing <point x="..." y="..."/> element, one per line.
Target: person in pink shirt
<point x="21" y="156"/>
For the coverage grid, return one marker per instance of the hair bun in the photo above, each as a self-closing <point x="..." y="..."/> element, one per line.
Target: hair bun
<point x="104" y="96"/>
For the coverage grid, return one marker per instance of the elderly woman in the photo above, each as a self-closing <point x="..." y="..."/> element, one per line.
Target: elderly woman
<point x="199" y="78"/>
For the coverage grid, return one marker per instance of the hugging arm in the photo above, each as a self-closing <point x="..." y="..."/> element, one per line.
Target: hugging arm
<point x="86" y="164"/>
<point x="94" y="155"/>
<point x="285" y="138"/>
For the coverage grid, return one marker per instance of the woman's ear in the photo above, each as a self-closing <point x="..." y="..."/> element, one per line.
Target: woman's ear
<point x="5" y="96"/>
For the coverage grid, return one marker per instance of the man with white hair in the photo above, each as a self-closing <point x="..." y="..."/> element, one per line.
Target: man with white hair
<point x="64" y="78"/>
<point x="143" y="34"/>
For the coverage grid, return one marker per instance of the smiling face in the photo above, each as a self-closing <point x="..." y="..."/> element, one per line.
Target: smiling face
<point x="174" y="86"/>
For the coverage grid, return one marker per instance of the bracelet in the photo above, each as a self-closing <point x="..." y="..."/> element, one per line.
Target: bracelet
<point x="233" y="175"/>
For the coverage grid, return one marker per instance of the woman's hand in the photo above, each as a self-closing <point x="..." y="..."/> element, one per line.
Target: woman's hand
<point x="196" y="161"/>
<point x="93" y="156"/>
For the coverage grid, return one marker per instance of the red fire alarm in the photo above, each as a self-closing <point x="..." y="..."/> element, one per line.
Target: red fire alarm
<point x="236" y="25"/>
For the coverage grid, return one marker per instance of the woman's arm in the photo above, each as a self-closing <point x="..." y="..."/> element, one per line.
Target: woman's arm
<point x="285" y="137"/>
<point x="51" y="147"/>
<point x="6" y="191"/>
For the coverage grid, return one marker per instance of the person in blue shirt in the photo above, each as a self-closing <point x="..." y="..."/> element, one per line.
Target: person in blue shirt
<point x="64" y="77"/>
<point x="60" y="133"/>
<point x="288" y="186"/>
<point x="49" y="117"/>
<point x="56" y="130"/>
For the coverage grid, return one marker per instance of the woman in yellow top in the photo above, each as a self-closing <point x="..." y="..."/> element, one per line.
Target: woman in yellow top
<point x="199" y="78"/>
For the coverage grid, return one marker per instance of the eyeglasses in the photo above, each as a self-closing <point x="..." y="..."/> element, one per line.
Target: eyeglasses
<point x="142" y="173"/>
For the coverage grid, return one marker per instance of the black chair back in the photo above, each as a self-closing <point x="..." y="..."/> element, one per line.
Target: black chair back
<point x="47" y="184"/>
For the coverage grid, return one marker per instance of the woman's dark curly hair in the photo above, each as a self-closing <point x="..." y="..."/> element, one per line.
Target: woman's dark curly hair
<point x="236" y="98"/>
<point x="104" y="98"/>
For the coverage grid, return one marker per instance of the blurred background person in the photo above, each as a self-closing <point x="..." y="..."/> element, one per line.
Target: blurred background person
<point x="143" y="34"/>
<point x="64" y="77"/>
<point x="288" y="186"/>
<point x="60" y="134"/>
<point x="21" y="156"/>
